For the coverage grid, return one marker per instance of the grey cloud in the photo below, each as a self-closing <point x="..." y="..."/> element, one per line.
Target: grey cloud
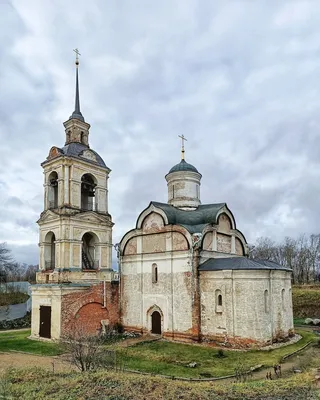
<point x="238" y="79"/>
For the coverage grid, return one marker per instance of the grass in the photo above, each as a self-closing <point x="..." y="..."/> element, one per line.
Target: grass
<point x="168" y="358"/>
<point x="306" y="302"/>
<point x="299" y="321"/>
<point x="18" y="341"/>
<point x="30" y="384"/>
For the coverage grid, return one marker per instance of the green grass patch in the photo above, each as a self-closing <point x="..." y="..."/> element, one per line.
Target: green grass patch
<point x="12" y="298"/>
<point x="18" y="341"/>
<point x="299" y="321"/>
<point x="168" y="358"/>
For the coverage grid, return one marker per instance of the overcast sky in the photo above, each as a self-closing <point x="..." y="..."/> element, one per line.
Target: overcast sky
<point x="240" y="79"/>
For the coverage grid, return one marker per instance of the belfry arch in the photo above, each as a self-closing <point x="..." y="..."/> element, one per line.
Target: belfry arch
<point x="88" y="193"/>
<point x="49" y="251"/>
<point x="90" y="251"/>
<point x="53" y="190"/>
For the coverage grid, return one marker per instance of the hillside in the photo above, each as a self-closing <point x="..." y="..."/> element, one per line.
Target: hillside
<point x="306" y="301"/>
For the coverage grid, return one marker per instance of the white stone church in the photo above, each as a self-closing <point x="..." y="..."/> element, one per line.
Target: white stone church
<point x="184" y="271"/>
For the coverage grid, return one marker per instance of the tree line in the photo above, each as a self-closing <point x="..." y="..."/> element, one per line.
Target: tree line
<point x="11" y="270"/>
<point x="302" y="255"/>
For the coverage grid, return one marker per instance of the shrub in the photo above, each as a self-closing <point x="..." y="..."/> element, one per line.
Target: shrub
<point x="220" y="354"/>
<point x="24" y="322"/>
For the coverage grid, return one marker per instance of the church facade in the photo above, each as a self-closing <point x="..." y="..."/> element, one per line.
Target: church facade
<point x="185" y="273"/>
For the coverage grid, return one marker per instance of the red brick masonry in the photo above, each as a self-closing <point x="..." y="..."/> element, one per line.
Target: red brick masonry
<point x="83" y="310"/>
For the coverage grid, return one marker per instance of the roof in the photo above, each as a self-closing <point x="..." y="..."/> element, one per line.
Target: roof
<point x="183" y="166"/>
<point x="75" y="150"/>
<point x="239" y="263"/>
<point x="194" y="221"/>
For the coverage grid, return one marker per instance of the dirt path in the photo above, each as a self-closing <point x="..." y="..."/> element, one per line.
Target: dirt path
<point x="20" y="360"/>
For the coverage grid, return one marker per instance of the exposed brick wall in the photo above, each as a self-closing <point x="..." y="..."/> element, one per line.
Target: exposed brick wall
<point x="84" y="309"/>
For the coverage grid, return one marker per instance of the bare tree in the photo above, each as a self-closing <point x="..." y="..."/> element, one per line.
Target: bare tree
<point x="6" y="262"/>
<point x="88" y="352"/>
<point x="302" y="255"/>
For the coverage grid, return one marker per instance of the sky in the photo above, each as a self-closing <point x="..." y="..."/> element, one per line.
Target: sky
<point x="240" y="79"/>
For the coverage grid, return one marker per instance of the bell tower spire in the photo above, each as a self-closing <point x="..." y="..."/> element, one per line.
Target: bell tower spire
<point x="77" y="130"/>
<point x="77" y="113"/>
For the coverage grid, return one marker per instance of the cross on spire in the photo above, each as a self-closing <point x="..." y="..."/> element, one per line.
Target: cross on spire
<point x="77" y="113"/>
<point x="183" y="139"/>
<point x="77" y="56"/>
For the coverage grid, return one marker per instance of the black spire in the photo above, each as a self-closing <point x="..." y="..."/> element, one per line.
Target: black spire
<point x="77" y="113"/>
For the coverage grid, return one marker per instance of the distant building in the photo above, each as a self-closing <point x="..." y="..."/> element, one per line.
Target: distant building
<point x="185" y="273"/>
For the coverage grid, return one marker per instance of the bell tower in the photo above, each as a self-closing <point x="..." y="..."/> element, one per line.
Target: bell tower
<point x="75" y="226"/>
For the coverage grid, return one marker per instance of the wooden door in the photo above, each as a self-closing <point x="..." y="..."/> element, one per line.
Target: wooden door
<point x="156" y="323"/>
<point x="45" y="322"/>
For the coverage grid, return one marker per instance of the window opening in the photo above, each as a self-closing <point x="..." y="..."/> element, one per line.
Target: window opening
<point x="88" y="186"/>
<point x="154" y="273"/>
<point x="53" y="190"/>
<point x="283" y="299"/>
<point x="266" y="301"/>
<point x="89" y="252"/>
<point x="50" y="251"/>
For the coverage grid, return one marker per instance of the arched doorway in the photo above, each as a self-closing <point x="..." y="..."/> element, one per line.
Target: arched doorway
<point x="156" y="323"/>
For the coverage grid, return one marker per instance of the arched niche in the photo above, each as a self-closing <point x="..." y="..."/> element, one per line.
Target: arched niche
<point x="152" y="222"/>
<point x="49" y="251"/>
<point x="224" y="222"/>
<point x="90" y="252"/>
<point x="53" y="190"/>
<point x="88" y="193"/>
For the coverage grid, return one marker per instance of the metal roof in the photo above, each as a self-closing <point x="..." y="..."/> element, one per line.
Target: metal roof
<point x="183" y="166"/>
<point x="239" y="263"/>
<point x="194" y="220"/>
<point x="75" y="150"/>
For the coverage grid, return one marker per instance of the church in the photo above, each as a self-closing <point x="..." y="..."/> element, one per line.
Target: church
<point x="184" y="269"/>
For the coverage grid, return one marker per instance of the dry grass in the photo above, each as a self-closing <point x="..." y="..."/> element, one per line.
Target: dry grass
<point x="38" y="384"/>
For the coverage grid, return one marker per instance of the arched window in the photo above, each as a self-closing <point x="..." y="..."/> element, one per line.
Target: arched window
<point x="154" y="273"/>
<point x="90" y="256"/>
<point x="283" y="299"/>
<point x="81" y="137"/>
<point x="219" y="302"/>
<point x="50" y="251"/>
<point x="290" y="298"/>
<point x="266" y="301"/>
<point x="53" y="190"/>
<point x="88" y="185"/>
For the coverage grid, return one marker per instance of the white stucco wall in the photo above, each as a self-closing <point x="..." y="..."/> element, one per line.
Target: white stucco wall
<point x="245" y="313"/>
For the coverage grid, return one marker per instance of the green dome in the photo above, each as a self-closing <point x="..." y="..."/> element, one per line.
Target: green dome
<point x="183" y="166"/>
